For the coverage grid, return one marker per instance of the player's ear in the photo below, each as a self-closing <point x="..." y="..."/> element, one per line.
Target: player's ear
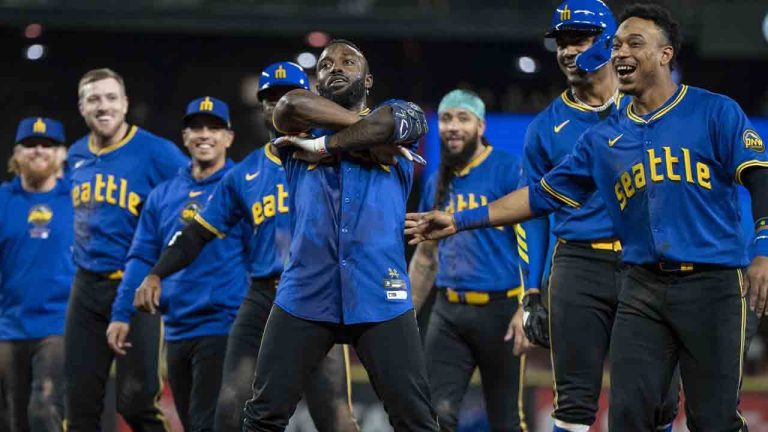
<point x="80" y="106"/>
<point x="368" y="81"/>
<point x="481" y="128"/>
<point x="667" y="53"/>
<point x="230" y="138"/>
<point x="125" y="109"/>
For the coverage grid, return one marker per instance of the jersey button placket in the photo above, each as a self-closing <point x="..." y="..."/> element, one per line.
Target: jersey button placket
<point x="347" y="211"/>
<point x="657" y="233"/>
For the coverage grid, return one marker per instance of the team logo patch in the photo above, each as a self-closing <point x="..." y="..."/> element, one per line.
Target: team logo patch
<point x="39" y="217"/>
<point x="189" y="211"/>
<point x="752" y="141"/>
<point x="395" y="287"/>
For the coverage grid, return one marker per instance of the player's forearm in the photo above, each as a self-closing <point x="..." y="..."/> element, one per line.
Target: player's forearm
<point x="183" y="251"/>
<point x="373" y="130"/>
<point x="422" y="272"/>
<point x="300" y="110"/>
<point x="512" y="208"/>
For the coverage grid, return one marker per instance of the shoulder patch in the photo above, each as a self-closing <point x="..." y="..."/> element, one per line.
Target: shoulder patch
<point x="752" y="141"/>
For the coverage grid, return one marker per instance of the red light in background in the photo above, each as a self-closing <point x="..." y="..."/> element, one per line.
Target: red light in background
<point x="33" y="31"/>
<point x="318" y="39"/>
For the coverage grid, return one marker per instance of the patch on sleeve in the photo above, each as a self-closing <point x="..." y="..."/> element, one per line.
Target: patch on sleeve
<point x="752" y="141"/>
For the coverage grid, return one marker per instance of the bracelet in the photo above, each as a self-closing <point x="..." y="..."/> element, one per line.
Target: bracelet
<point x="470" y="219"/>
<point x="761" y="244"/>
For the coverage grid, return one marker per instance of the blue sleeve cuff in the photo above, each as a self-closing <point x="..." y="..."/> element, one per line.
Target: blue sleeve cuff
<point x="761" y="244"/>
<point x="471" y="219"/>
<point x="541" y="202"/>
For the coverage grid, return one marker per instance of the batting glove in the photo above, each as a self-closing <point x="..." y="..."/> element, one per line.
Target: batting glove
<point x="535" y="320"/>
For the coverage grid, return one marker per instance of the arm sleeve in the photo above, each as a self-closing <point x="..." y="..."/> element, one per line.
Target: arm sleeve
<point x="739" y="145"/>
<point x="145" y="249"/>
<point x="756" y="182"/>
<point x="183" y="250"/>
<point x="569" y="183"/>
<point x="224" y="208"/>
<point x="533" y="235"/>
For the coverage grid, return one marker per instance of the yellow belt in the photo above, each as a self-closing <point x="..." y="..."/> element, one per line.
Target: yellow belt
<point x="115" y="275"/>
<point x="479" y="298"/>
<point x="607" y="244"/>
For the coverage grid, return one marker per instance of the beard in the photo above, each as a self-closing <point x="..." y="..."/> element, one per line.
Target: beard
<point x="350" y="97"/>
<point x="36" y="176"/>
<point x="462" y="158"/>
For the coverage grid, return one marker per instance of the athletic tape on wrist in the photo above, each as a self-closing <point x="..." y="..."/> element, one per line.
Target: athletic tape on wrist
<point x="474" y="218"/>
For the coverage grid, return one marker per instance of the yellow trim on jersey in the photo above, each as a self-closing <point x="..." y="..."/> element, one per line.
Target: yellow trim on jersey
<point x="523" y="254"/>
<point x="549" y="321"/>
<point x="475" y="162"/>
<point x="573" y="104"/>
<point x="520" y="231"/>
<point x="748" y="164"/>
<point x="268" y="150"/>
<point x="208" y="226"/>
<point x="102" y="151"/>
<point x="520" y="387"/>
<point x="637" y="119"/>
<point x="618" y="99"/>
<point x="742" y="340"/>
<point x="568" y="201"/>
<point x="345" y="350"/>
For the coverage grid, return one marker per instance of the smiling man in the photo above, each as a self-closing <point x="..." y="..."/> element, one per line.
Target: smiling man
<point x="113" y="169"/>
<point x="667" y="167"/>
<point x="199" y="304"/>
<point x="36" y="271"/>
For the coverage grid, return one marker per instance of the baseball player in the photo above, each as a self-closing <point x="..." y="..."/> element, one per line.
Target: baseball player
<point x="200" y="303"/>
<point x="36" y="271"/>
<point x="113" y="169"/>
<point x="255" y="191"/>
<point x="477" y="273"/>
<point x="345" y="280"/>
<point x="670" y="191"/>
<point x="584" y="285"/>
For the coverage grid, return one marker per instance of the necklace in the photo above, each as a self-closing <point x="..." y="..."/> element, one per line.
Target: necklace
<point x="602" y="107"/>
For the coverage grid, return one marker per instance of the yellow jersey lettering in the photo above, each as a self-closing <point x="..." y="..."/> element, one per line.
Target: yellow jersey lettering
<point x="670" y="163"/>
<point x="111" y="188"/>
<point x="653" y="162"/>
<point x="282" y="197"/>
<point x="626" y="182"/>
<point x="85" y="192"/>
<point x="269" y="206"/>
<point x="99" y="186"/>
<point x="703" y="175"/>
<point x="257" y="212"/>
<point x="687" y="164"/>
<point x="638" y="171"/>
<point x="483" y="200"/>
<point x="472" y="202"/>
<point x="76" y="196"/>
<point x="461" y="203"/>
<point x="133" y="203"/>
<point x="620" y="196"/>
<point x="123" y="192"/>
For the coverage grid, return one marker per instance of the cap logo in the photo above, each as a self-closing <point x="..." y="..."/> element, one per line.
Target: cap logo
<point x="39" y="126"/>
<point x="565" y="13"/>
<point x="206" y="104"/>
<point x="281" y="73"/>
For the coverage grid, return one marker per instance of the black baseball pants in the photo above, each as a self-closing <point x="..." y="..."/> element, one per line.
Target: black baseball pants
<point x="32" y="385"/>
<point x="461" y="337"/>
<point x="697" y="319"/>
<point x="88" y="360"/>
<point x="292" y="349"/>
<point x="326" y="390"/>
<point x="583" y="295"/>
<point x="195" y="366"/>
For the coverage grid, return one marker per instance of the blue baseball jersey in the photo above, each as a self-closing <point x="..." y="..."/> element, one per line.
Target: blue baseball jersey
<point x="669" y="179"/>
<point x="483" y="259"/>
<point x="255" y="191"/>
<point x="109" y="187"/>
<point x="203" y="298"/>
<point x="549" y="138"/>
<point x="36" y="266"/>
<point x="347" y="257"/>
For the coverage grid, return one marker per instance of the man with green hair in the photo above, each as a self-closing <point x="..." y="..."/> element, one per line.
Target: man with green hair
<point x="477" y="273"/>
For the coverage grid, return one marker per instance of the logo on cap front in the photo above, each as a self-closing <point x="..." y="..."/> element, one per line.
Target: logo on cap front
<point x="565" y="14"/>
<point x="206" y="104"/>
<point x="39" y="126"/>
<point x="280" y="72"/>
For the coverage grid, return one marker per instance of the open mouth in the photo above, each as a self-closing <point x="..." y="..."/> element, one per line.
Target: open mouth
<point x="624" y="71"/>
<point x="204" y="146"/>
<point x="337" y="81"/>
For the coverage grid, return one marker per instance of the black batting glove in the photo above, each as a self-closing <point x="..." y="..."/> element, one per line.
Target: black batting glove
<point x="535" y="320"/>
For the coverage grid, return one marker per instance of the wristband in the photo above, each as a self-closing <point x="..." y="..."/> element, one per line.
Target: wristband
<point x="471" y="219"/>
<point x="761" y="244"/>
<point x="761" y="222"/>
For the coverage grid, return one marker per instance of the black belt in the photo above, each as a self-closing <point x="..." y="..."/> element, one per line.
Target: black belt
<point x="269" y="283"/>
<point x="682" y="267"/>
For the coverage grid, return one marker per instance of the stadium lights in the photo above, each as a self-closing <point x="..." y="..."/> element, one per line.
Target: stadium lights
<point x="527" y="64"/>
<point x="318" y="39"/>
<point x="765" y="27"/>
<point x="307" y="60"/>
<point x="33" y="31"/>
<point x="35" y="52"/>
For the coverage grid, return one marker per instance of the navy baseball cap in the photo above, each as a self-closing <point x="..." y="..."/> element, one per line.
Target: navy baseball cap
<point x="209" y="106"/>
<point x="283" y="74"/>
<point x="40" y="127"/>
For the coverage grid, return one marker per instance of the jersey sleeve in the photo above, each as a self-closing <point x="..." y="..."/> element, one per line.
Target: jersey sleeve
<point x="569" y="183"/>
<point x="224" y="208"/>
<point x="167" y="161"/>
<point x="536" y="161"/>
<point x="144" y="252"/>
<point x="427" y="199"/>
<point x="738" y="144"/>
